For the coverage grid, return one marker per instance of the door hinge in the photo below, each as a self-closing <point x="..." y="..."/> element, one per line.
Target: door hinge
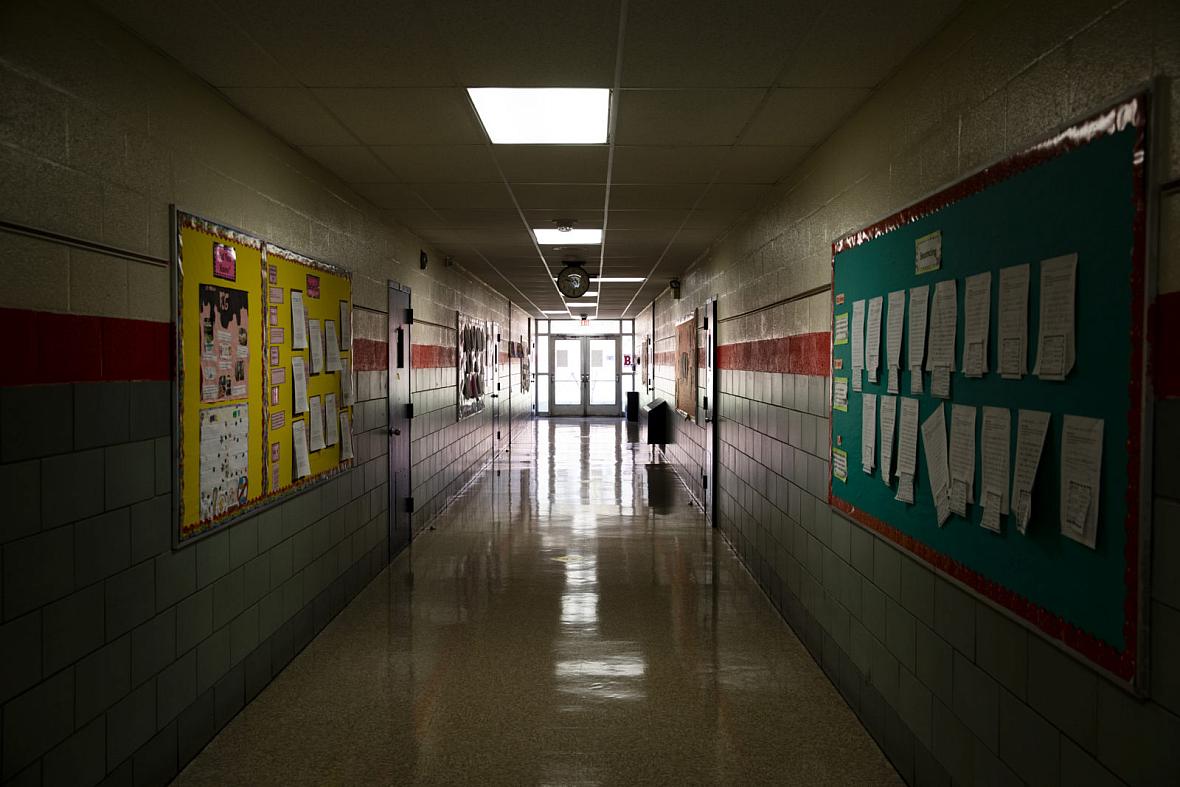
<point x="497" y="386"/>
<point x="706" y="403"/>
<point x="704" y="482"/>
<point x="497" y="434"/>
<point x="409" y="316"/>
<point x="409" y="410"/>
<point x="409" y="505"/>
<point x="706" y="325"/>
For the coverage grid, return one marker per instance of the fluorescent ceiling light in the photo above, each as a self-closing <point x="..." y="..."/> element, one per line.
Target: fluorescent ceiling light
<point x="614" y="279"/>
<point x="542" y="115"/>
<point x="593" y="294"/>
<point x="575" y="237"/>
<point x="555" y="311"/>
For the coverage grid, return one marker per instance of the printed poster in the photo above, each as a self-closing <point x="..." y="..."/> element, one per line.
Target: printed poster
<point x="225" y="456"/>
<point x="225" y="343"/>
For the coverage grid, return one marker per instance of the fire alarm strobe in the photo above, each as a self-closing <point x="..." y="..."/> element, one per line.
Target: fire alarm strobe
<point x="573" y="281"/>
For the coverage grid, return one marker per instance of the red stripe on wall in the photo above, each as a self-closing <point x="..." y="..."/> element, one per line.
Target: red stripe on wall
<point x="369" y="355"/>
<point x="806" y="353"/>
<point x="433" y="356"/>
<point x="1164" y="363"/>
<point x="47" y="347"/>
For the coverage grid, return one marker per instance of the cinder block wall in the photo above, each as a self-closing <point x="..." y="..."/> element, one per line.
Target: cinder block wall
<point x="953" y="691"/>
<point x="120" y="656"/>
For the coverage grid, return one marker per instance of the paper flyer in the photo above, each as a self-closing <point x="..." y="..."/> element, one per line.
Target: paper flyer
<point x="332" y="344"/>
<point x="345" y="436"/>
<point x="299" y="446"/>
<point x="315" y="416"/>
<point x="225" y="343"/>
<point x="225" y="459"/>
<point x="315" y="341"/>
<point x="331" y="432"/>
<point x="934" y="446"/>
<point x="298" y="322"/>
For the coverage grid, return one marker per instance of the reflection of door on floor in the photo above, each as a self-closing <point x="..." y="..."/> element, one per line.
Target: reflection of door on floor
<point x="585" y="379"/>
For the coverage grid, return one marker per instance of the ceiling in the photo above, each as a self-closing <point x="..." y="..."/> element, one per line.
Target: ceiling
<point x="714" y="103"/>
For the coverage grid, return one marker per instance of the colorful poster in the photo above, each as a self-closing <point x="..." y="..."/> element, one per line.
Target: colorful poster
<point x="225" y="262"/>
<point x="313" y="286"/>
<point x="225" y="458"/>
<point x="686" y="366"/>
<point x="225" y="347"/>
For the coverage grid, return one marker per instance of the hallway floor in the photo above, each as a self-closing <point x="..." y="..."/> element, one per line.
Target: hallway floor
<point x="571" y="620"/>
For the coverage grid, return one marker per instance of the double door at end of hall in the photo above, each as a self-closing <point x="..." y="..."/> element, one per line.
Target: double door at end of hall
<point x="585" y="379"/>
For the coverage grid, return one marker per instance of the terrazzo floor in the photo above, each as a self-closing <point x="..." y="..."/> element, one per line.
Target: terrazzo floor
<point x="570" y="620"/>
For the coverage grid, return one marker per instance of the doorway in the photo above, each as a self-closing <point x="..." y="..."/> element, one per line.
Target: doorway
<point x="401" y="501"/>
<point x="585" y="379"/>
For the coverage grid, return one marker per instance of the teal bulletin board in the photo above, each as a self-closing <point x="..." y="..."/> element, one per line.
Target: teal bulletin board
<point x="1082" y="191"/>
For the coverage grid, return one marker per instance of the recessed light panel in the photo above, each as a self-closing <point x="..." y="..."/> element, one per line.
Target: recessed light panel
<point x="575" y="237"/>
<point x="542" y="115"/>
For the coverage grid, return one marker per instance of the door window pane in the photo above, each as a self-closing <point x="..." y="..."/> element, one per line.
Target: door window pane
<point x="567" y="371"/>
<point x="542" y="393"/>
<point x="604" y="368"/>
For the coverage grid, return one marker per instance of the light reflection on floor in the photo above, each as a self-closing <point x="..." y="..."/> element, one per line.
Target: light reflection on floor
<point x="570" y="621"/>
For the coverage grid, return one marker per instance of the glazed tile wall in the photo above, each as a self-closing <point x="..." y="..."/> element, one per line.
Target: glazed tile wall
<point x="952" y="690"/>
<point x="121" y="657"/>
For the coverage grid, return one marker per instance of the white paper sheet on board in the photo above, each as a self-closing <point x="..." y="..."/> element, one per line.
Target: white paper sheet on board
<point x="961" y="459"/>
<point x="345" y="325"/>
<point x="298" y="322"/>
<point x="919" y="303"/>
<point x="858" y="343"/>
<point x="977" y="305"/>
<point x="315" y="341"/>
<point x="888" y="422"/>
<point x="894" y="381"/>
<point x="299" y="383"/>
<point x="332" y="344"/>
<point x="1081" y="477"/>
<point x="907" y="449"/>
<point x="331" y="423"/>
<point x="996" y="446"/>
<point x="840" y="329"/>
<point x="940" y="382"/>
<point x="944" y="314"/>
<point x="1013" y="329"/>
<point x="1055" y="343"/>
<point x="1031" y="428"/>
<point x="316" y="417"/>
<point x="345" y="436"/>
<point x="934" y="447"/>
<point x="299" y="448"/>
<point x="346" y="389"/>
<point x="873" y="338"/>
<point x="868" y="432"/>
<point x="225" y="459"/>
<point x="895" y="329"/>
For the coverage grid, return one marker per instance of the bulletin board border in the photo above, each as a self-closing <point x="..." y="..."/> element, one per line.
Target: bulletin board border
<point x="181" y="219"/>
<point x="1128" y="667"/>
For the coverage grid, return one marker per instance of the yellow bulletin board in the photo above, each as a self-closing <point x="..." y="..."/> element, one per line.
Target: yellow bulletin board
<point x="234" y="409"/>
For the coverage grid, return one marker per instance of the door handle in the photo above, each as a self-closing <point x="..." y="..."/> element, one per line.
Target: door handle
<point x="396" y="432"/>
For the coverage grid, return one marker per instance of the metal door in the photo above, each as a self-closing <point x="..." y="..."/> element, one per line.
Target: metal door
<point x="709" y="413"/>
<point x="401" y="500"/>
<point x="585" y="375"/>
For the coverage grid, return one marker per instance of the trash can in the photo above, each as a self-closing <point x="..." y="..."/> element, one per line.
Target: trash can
<point x="632" y="405"/>
<point x="656" y="414"/>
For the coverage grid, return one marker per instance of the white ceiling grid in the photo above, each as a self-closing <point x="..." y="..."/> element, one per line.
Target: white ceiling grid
<point x="714" y="103"/>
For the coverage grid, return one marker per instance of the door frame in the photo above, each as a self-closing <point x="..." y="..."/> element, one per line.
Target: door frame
<point x="400" y="410"/>
<point x="586" y="409"/>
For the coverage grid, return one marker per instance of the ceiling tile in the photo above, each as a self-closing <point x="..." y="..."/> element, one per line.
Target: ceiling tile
<point x="684" y="117"/>
<point x="370" y="43"/>
<point x="733" y="196"/>
<point x="391" y="196"/>
<point x="530" y="43"/>
<point x="859" y="44"/>
<point x="351" y="163"/>
<point x="225" y="56"/>
<point x="478" y="196"/>
<point x="543" y="196"/>
<point x="702" y="43"/>
<point x="292" y="113"/>
<point x="666" y="163"/>
<point x="668" y="197"/>
<point x="802" y="116"/>
<point x="474" y="219"/>
<point x="439" y="163"/>
<point x="552" y="163"/>
<point x="405" y="116"/>
<point x="760" y="163"/>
